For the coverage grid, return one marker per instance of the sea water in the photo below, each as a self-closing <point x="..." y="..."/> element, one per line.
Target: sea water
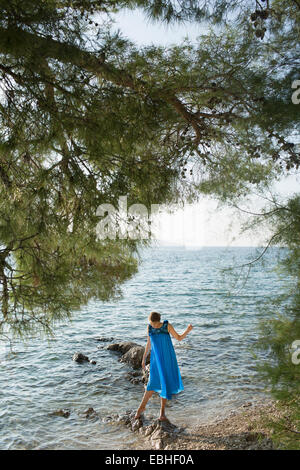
<point x="216" y="359"/>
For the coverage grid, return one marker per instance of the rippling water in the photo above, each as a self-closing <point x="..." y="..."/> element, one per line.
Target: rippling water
<point x="217" y="367"/>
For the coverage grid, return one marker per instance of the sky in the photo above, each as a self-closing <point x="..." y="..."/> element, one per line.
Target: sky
<point x="201" y="224"/>
<point x="136" y="26"/>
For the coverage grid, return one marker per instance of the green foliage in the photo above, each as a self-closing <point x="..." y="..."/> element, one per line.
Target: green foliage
<point x="279" y="329"/>
<point x="86" y="117"/>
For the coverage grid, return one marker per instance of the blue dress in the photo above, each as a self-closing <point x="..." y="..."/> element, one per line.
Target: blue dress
<point x="164" y="375"/>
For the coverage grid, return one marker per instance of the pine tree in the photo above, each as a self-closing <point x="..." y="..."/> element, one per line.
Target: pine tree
<point x="280" y="332"/>
<point x="87" y="117"/>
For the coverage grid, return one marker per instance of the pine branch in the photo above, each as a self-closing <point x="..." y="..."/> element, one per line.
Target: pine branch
<point x="16" y="41"/>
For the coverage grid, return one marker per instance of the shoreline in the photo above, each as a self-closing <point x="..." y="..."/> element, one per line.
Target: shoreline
<point x="242" y="429"/>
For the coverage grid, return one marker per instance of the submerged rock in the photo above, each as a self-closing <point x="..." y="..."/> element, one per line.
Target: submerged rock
<point x="103" y="339"/>
<point x="65" y="413"/>
<point x="134" y="379"/>
<point x="80" y="358"/>
<point x="90" y="413"/>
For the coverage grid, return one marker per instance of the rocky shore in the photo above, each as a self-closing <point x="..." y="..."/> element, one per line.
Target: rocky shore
<point x="242" y="429"/>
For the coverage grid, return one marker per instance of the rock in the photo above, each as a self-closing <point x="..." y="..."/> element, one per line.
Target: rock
<point x="146" y="373"/>
<point x="134" y="377"/>
<point x="105" y="340"/>
<point x="124" y="419"/>
<point x="132" y="353"/>
<point x="65" y="413"/>
<point x="134" y="356"/>
<point x="162" y="434"/>
<point x="90" y="413"/>
<point x="245" y="405"/>
<point x="156" y="434"/>
<point x="135" y="373"/>
<point x="135" y="381"/>
<point x="148" y="430"/>
<point x="148" y="427"/>
<point x="122" y="347"/>
<point x="159" y="433"/>
<point x="158" y="444"/>
<point x="80" y="358"/>
<point x="93" y="362"/>
<point x="136" y="424"/>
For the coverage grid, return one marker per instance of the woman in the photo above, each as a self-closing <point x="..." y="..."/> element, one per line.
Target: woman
<point x="164" y="375"/>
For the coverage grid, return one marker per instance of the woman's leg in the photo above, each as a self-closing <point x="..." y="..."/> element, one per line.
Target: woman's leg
<point x="162" y="409"/>
<point x="147" y="395"/>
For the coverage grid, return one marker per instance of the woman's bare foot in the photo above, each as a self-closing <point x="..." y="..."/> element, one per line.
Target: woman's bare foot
<point x="163" y="418"/>
<point x="138" y="413"/>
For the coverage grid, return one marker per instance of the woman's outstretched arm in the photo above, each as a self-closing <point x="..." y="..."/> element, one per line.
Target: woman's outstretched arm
<point x="176" y="335"/>
<point x="147" y="349"/>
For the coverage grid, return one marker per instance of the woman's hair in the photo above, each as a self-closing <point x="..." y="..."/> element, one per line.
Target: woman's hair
<point x="154" y="316"/>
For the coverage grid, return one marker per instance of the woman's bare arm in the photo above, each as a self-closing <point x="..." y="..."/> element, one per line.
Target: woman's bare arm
<point x="176" y="335"/>
<point x="147" y="349"/>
